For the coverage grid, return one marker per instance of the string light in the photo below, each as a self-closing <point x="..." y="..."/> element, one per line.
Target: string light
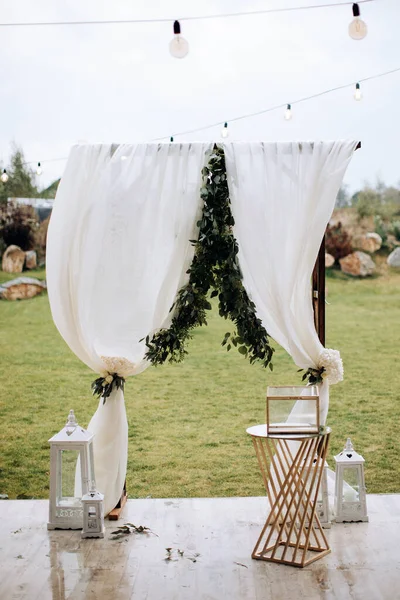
<point x="357" y="93"/>
<point x="264" y="111"/>
<point x="224" y="131"/>
<point x="357" y="28"/>
<point x="4" y="176"/>
<point x="39" y="170"/>
<point x="189" y="18"/>
<point x="288" y="112"/>
<point x="178" y="46"/>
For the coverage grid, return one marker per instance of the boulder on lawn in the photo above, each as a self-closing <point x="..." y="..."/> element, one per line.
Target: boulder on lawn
<point x="358" y="264"/>
<point x="13" y="260"/>
<point x="30" y="259"/>
<point x="329" y="260"/>
<point x="393" y="260"/>
<point x="21" y="288"/>
<point x="369" y="242"/>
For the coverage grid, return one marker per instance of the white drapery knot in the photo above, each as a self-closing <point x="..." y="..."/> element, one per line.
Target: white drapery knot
<point x="331" y="362"/>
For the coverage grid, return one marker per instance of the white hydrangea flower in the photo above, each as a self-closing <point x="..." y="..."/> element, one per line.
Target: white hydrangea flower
<point x="330" y="360"/>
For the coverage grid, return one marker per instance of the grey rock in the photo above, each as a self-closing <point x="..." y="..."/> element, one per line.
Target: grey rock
<point x="21" y="288"/>
<point x="30" y="259"/>
<point x="393" y="260"/>
<point x="358" y="264"/>
<point x="13" y="260"/>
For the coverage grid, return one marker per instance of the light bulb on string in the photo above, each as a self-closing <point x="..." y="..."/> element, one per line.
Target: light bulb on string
<point x="224" y="131"/>
<point x="178" y="46"/>
<point x="288" y="112"/>
<point x="39" y="169"/>
<point x="4" y="176"/>
<point x="357" y="92"/>
<point x="171" y="139"/>
<point x="357" y="28"/>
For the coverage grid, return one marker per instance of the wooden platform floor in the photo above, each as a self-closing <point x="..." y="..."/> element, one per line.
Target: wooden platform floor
<point x="58" y="565"/>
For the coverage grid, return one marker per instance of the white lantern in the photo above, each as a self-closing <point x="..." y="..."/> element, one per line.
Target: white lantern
<point x="322" y="507"/>
<point x="350" y="497"/>
<point x="323" y="500"/>
<point x="71" y="458"/>
<point x="93" y="514"/>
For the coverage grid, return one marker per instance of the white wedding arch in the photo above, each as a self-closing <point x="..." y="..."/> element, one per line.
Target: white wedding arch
<point x="118" y="251"/>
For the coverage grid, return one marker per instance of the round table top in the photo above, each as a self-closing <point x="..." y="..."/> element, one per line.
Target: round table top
<point x="260" y="431"/>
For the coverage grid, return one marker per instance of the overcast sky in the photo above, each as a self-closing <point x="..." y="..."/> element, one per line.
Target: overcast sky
<point x="118" y="83"/>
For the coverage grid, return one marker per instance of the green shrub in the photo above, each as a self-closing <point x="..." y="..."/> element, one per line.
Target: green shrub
<point x="381" y="228"/>
<point x="395" y="229"/>
<point x="368" y="203"/>
<point x="18" y="225"/>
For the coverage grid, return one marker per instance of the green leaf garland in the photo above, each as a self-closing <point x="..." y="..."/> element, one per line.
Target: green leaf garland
<point x="103" y="386"/>
<point x="215" y="267"/>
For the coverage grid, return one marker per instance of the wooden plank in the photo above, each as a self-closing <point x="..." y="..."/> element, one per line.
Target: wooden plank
<point x="318" y="288"/>
<point x="39" y="565"/>
<point x="115" y="514"/>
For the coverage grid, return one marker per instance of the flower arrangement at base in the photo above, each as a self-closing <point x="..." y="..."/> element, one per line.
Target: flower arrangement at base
<point x="104" y="385"/>
<point x="329" y="368"/>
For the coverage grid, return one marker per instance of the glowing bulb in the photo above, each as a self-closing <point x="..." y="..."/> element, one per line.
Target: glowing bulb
<point x="39" y="169"/>
<point x="224" y="131"/>
<point x="357" y="28"/>
<point x="357" y="93"/>
<point x="178" y="46"/>
<point x="288" y="112"/>
<point x="123" y="157"/>
<point x="4" y="176"/>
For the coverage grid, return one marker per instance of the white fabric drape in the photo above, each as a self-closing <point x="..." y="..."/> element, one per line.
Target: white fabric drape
<point x="117" y="253"/>
<point x="282" y="196"/>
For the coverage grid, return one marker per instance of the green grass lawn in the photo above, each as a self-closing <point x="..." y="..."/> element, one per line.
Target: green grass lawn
<point x="187" y="422"/>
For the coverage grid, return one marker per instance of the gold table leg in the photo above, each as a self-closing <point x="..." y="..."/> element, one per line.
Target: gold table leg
<point x="292" y="534"/>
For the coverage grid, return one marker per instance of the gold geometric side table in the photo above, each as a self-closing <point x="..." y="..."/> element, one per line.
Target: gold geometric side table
<point x="292" y="468"/>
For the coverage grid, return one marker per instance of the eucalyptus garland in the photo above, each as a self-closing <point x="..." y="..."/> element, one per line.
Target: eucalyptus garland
<point x="103" y="386"/>
<point x="214" y="268"/>
<point x="313" y="376"/>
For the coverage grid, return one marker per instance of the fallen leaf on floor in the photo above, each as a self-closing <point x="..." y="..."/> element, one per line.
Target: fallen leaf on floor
<point x="129" y="528"/>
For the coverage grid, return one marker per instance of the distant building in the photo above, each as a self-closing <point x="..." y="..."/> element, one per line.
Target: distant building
<point x="42" y="206"/>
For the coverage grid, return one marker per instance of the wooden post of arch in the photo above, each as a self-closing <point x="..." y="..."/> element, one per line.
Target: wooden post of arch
<point x="318" y="288"/>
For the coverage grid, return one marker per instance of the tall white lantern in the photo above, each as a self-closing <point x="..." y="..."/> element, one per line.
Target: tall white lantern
<point x="350" y="491"/>
<point x="71" y="457"/>
<point x="322" y="505"/>
<point x="93" y="514"/>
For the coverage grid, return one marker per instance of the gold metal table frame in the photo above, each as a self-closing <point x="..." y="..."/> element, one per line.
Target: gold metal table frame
<point x="292" y="467"/>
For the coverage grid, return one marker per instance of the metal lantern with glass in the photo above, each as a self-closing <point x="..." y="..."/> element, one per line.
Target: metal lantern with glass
<point x="71" y="469"/>
<point x="350" y="491"/>
<point x="293" y="409"/>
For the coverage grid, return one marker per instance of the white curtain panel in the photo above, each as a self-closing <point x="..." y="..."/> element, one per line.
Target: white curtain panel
<point x="117" y="253"/>
<point x="282" y="196"/>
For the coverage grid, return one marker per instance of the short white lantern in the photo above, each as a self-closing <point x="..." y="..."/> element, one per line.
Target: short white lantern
<point x="71" y="456"/>
<point x="350" y="496"/>
<point x="93" y="514"/>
